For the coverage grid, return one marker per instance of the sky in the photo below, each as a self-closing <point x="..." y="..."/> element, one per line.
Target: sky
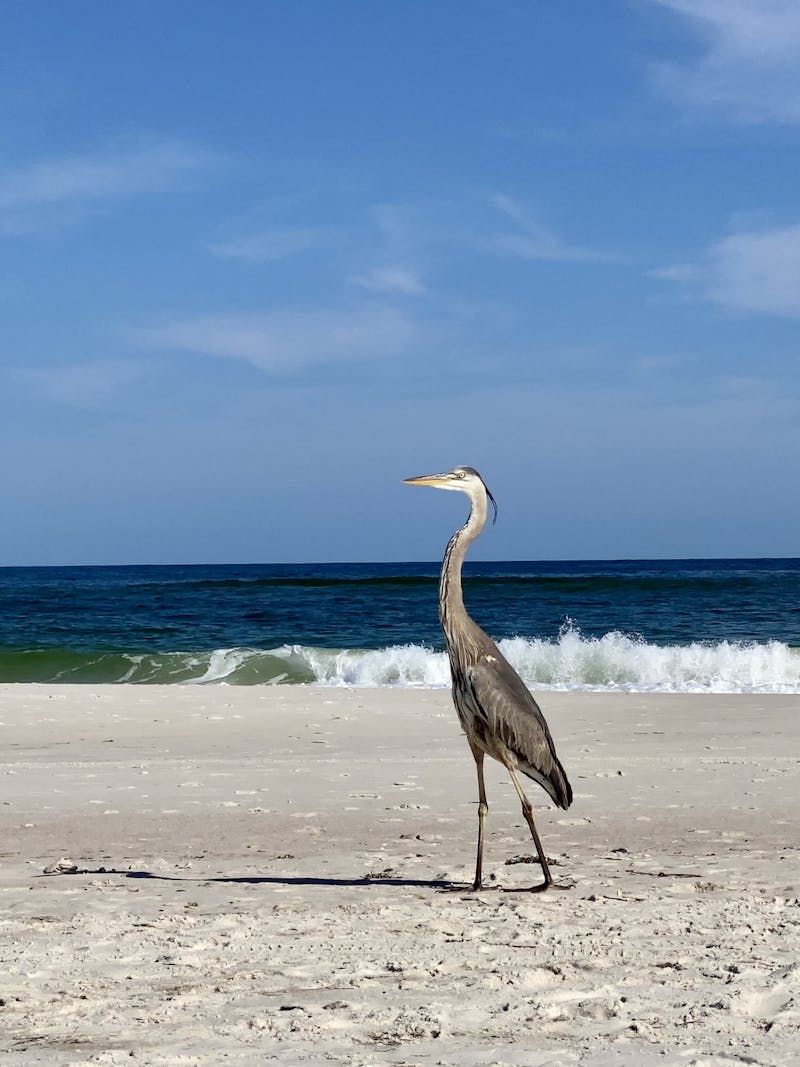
<point x="261" y="261"/>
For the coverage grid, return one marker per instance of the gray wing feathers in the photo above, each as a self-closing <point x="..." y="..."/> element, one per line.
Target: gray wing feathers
<point x="511" y="715"/>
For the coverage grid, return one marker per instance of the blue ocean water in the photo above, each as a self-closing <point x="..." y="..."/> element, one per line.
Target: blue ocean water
<point x="687" y="625"/>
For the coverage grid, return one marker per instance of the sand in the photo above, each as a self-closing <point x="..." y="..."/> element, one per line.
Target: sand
<point x="265" y="875"/>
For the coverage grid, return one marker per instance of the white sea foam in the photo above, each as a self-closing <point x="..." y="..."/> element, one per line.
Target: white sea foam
<point x="222" y="663"/>
<point x="615" y="662"/>
<point x="399" y="665"/>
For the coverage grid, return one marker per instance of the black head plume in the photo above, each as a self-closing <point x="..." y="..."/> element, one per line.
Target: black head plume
<point x="492" y="501"/>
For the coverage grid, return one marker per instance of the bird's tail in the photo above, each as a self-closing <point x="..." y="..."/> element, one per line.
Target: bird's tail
<point x="555" y="783"/>
<point x="562" y="794"/>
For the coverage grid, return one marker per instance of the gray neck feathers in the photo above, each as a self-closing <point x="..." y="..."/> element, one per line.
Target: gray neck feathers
<point x="457" y="626"/>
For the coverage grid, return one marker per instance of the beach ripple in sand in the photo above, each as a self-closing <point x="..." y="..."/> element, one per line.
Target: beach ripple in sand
<point x="179" y="927"/>
<point x="402" y="977"/>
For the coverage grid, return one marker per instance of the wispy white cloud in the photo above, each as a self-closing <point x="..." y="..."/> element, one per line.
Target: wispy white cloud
<point x="287" y="341"/>
<point x="532" y="240"/>
<point x="275" y="244"/>
<point x="750" y="69"/>
<point x="749" y="271"/>
<point x="406" y="229"/>
<point x="395" y="255"/>
<point x="396" y="280"/>
<point x="59" y="190"/>
<point x="683" y="273"/>
<point x="758" y="271"/>
<point x="405" y="250"/>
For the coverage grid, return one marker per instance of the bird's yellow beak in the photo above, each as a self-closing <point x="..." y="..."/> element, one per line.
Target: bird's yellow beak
<point x="437" y="481"/>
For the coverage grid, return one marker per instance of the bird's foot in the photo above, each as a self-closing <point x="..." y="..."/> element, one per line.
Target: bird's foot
<point x="476" y="887"/>
<point x="550" y="884"/>
<point x="542" y="888"/>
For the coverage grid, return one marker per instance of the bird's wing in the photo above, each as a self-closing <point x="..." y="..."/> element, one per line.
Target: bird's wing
<point x="511" y="714"/>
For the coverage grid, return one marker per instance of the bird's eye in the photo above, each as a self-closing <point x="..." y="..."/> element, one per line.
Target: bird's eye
<point x="462" y="474"/>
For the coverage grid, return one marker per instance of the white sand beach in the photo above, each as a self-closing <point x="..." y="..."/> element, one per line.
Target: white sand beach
<point x="261" y="875"/>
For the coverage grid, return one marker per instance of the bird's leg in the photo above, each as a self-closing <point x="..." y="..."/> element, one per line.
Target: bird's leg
<point x="483" y="809"/>
<point x="527" y="811"/>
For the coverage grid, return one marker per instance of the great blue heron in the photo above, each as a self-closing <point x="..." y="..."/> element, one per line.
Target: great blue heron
<point x="497" y="711"/>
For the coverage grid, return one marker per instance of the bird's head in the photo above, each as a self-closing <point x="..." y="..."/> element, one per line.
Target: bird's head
<point x="463" y="480"/>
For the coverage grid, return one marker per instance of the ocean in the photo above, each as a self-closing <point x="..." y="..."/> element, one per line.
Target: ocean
<point x="632" y="625"/>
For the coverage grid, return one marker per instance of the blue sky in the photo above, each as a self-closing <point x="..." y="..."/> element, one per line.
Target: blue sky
<point x="261" y="261"/>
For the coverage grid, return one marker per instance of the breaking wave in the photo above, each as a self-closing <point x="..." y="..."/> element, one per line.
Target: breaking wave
<point x="613" y="662"/>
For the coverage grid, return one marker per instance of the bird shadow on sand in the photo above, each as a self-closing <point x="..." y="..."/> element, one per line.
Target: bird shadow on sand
<point x="257" y="879"/>
<point x="437" y="885"/>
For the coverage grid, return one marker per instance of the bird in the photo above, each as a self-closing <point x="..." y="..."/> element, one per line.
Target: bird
<point x="496" y="709"/>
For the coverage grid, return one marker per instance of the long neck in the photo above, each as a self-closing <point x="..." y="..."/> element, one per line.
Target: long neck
<point x="451" y="600"/>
